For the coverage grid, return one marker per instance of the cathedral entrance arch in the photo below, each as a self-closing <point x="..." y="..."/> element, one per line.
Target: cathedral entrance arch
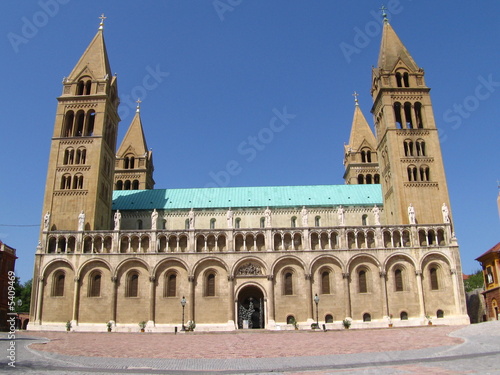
<point x="251" y="308"/>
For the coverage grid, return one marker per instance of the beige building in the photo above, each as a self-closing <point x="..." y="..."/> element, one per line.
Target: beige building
<point x="379" y="249"/>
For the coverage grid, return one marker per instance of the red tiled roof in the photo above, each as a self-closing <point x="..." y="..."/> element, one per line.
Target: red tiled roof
<point x="494" y="249"/>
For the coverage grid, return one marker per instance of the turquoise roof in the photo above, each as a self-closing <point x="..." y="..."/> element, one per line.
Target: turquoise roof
<point x="243" y="197"/>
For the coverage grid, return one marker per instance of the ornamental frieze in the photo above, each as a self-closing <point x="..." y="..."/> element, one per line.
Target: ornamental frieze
<point x="249" y="269"/>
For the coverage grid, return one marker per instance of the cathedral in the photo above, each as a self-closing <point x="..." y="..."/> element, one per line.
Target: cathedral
<point x="377" y="251"/>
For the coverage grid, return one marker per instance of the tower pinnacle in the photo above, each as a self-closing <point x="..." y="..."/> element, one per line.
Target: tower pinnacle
<point x="138" y="108"/>
<point x="384" y="14"/>
<point x="101" y="24"/>
<point x="355" y="98"/>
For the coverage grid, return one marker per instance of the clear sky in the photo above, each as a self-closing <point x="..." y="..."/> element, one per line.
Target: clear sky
<point x="218" y="72"/>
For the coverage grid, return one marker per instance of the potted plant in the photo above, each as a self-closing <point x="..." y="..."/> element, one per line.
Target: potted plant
<point x="389" y="318"/>
<point x="346" y="323"/>
<point x="314" y="326"/>
<point x="294" y="323"/>
<point x="68" y="326"/>
<point x="429" y="321"/>
<point x="109" y="325"/>
<point x="190" y="326"/>
<point x="142" y="325"/>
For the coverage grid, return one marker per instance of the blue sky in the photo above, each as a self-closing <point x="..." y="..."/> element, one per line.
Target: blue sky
<point x="223" y="68"/>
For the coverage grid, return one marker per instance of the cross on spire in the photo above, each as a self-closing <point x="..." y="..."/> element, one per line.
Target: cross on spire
<point x="138" y="101"/>
<point x="384" y="14"/>
<point x="101" y="25"/>
<point x="355" y="97"/>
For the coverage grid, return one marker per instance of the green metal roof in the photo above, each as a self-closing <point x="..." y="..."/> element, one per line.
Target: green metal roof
<point x="243" y="197"/>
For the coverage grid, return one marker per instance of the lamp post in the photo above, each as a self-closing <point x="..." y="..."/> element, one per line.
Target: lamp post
<point x="316" y="301"/>
<point x="183" y="304"/>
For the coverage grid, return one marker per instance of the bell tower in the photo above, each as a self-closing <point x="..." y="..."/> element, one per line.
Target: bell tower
<point x="78" y="191"/>
<point x="408" y="148"/>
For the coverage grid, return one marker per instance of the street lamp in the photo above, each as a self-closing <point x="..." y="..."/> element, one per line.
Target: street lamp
<point x="316" y="301"/>
<point x="183" y="304"/>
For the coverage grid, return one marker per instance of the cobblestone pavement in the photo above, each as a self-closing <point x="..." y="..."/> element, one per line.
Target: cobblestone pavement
<point x="473" y="349"/>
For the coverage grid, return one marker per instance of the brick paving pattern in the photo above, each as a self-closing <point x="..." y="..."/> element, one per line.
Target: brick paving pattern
<point x="243" y="344"/>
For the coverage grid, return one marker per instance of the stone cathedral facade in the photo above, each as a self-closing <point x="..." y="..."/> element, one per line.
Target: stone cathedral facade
<point x="378" y="249"/>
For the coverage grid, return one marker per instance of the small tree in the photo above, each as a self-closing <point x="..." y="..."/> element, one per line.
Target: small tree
<point x="474" y="281"/>
<point x="23" y="293"/>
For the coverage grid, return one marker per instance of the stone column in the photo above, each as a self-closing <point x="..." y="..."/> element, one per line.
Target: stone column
<point x="114" y="293"/>
<point x="191" y="309"/>
<point x="230" y="315"/>
<point x="347" y="295"/>
<point x="456" y="291"/>
<point x="309" y="300"/>
<point x="421" y="302"/>
<point x="271" y="320"/>
<point x="39" y="301"/>
<point x="152" y="300"/>
<point x="76" y="298"/>
<point x="383" y="285"/>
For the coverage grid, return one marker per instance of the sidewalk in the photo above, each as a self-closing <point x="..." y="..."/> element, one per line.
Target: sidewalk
<point x="424" y="350"/>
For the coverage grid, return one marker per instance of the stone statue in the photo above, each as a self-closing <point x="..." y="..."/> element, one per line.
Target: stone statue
<point x="446" y="213"/>
<point x="81" y="221"/>
<point x="411" y="214"/>
<point x="267" y="214"/>
<point x="191" y="219"/>
<point x="376" y="214"/>
<point x="229" y="217"/>
<point x="118" y="219"/>
<point x="305" y="216"/>
<point x="341" y="215"/>
<point x="154" y="219"/>
<point x="46" y="221"/>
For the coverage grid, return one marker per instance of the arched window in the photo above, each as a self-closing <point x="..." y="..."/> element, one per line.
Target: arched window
<point x="406" y="79"/>
<point x="408" y="118"/>
<point x="135" y="185"/>
<point x="368" y="179"/>
<point x="237" y="223"/>
<point x="361" y="179"/>
<point x="88" y="86"/>
<point x="119" y="185"/>
<point x="212" y="223"/>
<point x="408" y="146"/>
<point x="69" y="156"/>
<point x="95" y="285"/>
<point x="139" y="224"/>
<point x="171" y="287"/>
<point x="210" y="285"/>
<point x="80" y="121"/>
<point x="293" y="222"/>
<point x="399" y="81"/>
<point x="127" y="185"/>
<point x="440" y="314"/>
<point x="78" y="181"/>
<point x="418" y="115"/>
<point x="328" y="318"/>
<point x="132" y="287"/>
<point x="325" y="282"/>
<point x="433" y="273"/>
<point x="290" y="319"/>
<point x="398" y="280"/>
<point x="403" y="315"/>
<point x="68" y="124"/>
<point x="376" y="179"/>
<point x="288" y="284"/>
<point x="420" y="146"/>
<point x="366" y="156"/>
<point x="412" y="173"/>
<point x="364" y="220"/>
<point x="58" y="284"/>
<point x="317" y="221"/>
<point x="66" y="182"/>
<point x="80" y="88"/>
<point x="81" y="156"/>
<point x="90" y="121"/>
<point x="262" y="222"/>
<point x="362" y="287"/>
<point x="367" y="317"/>
<point x="186" y="224"/>
<point x="397" y="115"/>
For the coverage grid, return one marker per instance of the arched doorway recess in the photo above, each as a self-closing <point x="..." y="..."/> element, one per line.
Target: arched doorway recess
<point x="251" y="308"/>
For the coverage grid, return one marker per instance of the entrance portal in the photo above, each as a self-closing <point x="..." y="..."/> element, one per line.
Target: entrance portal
<point x="250" y="308"/>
